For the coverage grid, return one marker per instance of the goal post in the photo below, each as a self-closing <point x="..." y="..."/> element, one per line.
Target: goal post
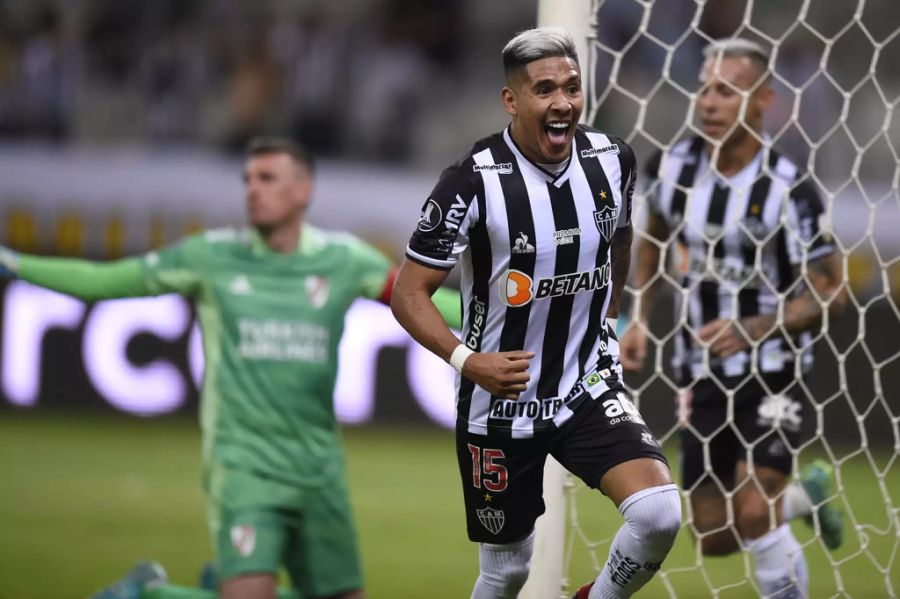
<point x="838" y="117"/>
<point x="545" y="581"/>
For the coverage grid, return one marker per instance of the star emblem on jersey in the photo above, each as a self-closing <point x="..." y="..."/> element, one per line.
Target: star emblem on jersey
<point x="488" y="497"/>
<point x="243" y="539"/>
<point x="605" y="219"/>
<point x="491" y="519"/>
<point x="316" y="290"/>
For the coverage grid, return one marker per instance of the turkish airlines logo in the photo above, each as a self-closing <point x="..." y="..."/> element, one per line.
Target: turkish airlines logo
<point x="519" y="289"/>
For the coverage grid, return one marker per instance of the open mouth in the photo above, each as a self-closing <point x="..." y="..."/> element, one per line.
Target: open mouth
<point x="557" y="131"/>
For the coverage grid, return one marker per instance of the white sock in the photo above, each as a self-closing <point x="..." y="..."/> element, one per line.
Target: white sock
<point x="795" y="502"/>
<point x="652" y="520"/>
<point x="780" y="565"/>
<point x="504" y="569"/>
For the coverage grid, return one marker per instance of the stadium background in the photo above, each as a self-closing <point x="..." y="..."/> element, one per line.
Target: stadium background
<point x="121" y="126"/>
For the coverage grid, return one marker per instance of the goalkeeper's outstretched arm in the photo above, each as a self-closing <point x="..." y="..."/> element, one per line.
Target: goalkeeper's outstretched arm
<point x="84" y="279"/>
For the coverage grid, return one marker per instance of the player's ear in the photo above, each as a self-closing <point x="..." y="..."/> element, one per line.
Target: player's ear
<point x="764" y="96"/>
<point x="509" y="100"/>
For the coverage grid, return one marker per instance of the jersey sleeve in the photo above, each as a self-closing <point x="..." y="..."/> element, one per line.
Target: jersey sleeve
<point x="804" y="232"/>
<point x="628" y="164"/>
<point x="373" y="268"/>
<point x="442" y="233"/>
<point x="84" y="279"/>
<point x="176" y="268"/>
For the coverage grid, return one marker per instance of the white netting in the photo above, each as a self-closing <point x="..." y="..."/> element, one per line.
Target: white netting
<point x="837" y="83"/>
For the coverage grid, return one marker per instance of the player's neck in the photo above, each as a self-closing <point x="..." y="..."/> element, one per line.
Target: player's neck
<point x="282" y="239"/>
<point x="732" y="158"/>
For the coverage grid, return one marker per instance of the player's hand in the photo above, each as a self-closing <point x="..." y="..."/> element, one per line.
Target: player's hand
<point x="503" y="374"/>
<point x="9" y="263"/>
<point x="723" y="337"/>
<point x="633" y="347"/>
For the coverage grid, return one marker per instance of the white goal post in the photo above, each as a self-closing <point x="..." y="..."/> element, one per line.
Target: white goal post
<point x="835" y="71"/>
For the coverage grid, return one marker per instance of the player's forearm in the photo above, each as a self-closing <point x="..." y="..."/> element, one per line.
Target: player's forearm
<point x="647" y="264"/>
<point x="414" y="310"/>
<point x="86" y="280"/>
<point x="805" y="312"/>
<point x="621" y="263"/>
<point x="416" y="313"/>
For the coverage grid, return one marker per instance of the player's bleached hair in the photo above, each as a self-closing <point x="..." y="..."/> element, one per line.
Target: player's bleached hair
<point x="282" y="145"/>
<point x="535" y="44"/>
<point x="738" y="47"/>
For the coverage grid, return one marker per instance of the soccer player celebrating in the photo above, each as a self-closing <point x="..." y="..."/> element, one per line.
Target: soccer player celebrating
<point x="539" y="215"/>
<point x="744" y="219"/>
<point x="271" y="300"/>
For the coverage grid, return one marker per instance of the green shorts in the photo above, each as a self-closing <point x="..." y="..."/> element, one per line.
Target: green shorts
<point x="258" y="525"/>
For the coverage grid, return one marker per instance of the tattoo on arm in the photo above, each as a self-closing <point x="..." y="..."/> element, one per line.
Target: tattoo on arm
<point x="620" y="263"/>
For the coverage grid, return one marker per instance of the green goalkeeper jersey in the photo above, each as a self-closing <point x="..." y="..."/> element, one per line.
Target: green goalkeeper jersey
<point x="271" y="326"/>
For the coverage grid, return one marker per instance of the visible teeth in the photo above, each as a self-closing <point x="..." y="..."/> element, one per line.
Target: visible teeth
<point x="558" y="125"/>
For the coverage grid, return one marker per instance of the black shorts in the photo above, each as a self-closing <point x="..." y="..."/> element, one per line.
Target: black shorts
<point x="768" y="425"/>
<point x="502" y="478"/>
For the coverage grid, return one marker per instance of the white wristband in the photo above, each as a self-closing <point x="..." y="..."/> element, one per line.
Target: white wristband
<point x="459" y="355"/>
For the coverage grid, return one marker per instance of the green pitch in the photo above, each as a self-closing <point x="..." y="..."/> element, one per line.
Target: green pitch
<point x="83" y="497"/>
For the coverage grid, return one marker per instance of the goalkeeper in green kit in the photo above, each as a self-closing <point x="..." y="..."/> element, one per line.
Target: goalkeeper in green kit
<point x="271" y="301"/>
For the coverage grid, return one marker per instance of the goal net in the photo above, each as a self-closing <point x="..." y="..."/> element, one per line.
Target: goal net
<point x="837" y="82"/>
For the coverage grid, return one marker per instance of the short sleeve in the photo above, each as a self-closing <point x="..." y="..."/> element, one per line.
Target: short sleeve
<point x="804" y="232"/>
<point x="175" y="268"/>
<point x="442" y="232"/>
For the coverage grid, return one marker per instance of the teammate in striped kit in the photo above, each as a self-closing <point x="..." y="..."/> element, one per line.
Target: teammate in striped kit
<point x="743" y="220"/>
<point x="539" y="217"/>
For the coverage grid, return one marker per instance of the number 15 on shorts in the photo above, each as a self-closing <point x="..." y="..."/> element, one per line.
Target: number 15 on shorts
<point x="487" y="471"/>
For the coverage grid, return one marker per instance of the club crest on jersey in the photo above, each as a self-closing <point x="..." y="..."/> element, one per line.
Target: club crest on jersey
<point x="316" y="290"/>
<point x="491" y="519"/>
<point x="605" y="219"/>
<point x="243" y="539"/>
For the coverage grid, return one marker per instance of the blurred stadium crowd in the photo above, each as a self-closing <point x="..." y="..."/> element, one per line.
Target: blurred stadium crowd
<point x="402" y="80"/>
<point x="349" y="78"/>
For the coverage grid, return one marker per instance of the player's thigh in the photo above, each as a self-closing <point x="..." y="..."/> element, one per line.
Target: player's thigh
<point x="248" y="518"/>
<point x="709" y="511"/>
<point x="502" y="481"/>
<point x="769" y="419"/>
<point x="249" y="586"/>
<point x="610" y="448"/>
<point x="710" y="449"/>
<point x="247" y="540"/>
<point x="757" y="499"/>
<point x="323" y="558"/>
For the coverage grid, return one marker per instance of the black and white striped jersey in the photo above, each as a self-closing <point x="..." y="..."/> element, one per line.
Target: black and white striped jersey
<point x="534" y="249"/>
<point x="738" y="245"/>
